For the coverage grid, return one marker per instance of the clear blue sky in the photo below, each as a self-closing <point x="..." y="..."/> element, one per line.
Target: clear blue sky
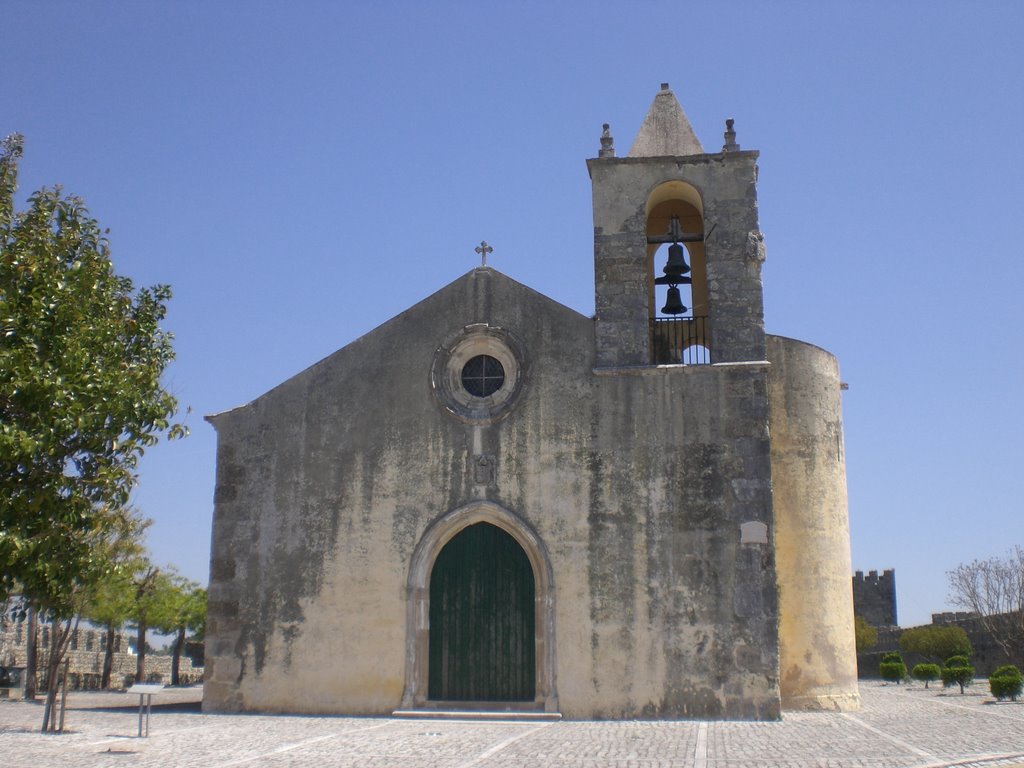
<point x="301" y="172"/>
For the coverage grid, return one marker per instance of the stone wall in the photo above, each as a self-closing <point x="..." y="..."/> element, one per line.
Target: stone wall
<point x="86" y="652"/>
<point x="622" y="269"/>
<point x="634" y="482"/>
<point x="874" y="597"/>
<point x="817" y="649"/>
<point x="985" y="656"/>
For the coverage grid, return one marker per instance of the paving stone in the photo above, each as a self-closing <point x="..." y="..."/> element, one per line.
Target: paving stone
<point x="898" y="727"/>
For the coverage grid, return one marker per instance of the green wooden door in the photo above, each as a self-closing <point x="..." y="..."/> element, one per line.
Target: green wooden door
<point x="482" y="645"/>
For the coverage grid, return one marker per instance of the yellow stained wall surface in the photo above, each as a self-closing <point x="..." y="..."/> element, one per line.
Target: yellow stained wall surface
<point x="817" y="655"/>
<point x="629" y="485"/>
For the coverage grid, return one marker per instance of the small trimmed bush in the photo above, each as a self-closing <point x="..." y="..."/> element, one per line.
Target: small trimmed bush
<point x="926" y="672"/>
<point x="892" y="668"/>
<point x="958" y="671"/>
<point x="1006" y="683"/>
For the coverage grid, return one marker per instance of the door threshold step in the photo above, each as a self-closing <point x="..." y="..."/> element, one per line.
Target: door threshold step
<point x="478" y="715"/>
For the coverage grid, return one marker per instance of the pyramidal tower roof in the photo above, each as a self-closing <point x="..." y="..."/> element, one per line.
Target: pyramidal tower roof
<point x="666" y="130"/>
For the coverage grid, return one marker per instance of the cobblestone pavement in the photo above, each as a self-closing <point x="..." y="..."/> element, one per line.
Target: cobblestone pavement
<point x="901" y="727"/>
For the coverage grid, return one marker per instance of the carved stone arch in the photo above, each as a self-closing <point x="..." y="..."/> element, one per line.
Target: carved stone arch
<point x="417" y="613"/>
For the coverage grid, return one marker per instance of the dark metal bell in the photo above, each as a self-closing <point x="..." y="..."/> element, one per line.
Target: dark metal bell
<point x="676" y="261"/>
<point x="673" y="303"/>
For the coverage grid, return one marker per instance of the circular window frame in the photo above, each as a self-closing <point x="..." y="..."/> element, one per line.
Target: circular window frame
<point x="452" y="356"/>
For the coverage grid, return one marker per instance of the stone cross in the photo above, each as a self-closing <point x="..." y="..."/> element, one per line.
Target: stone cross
<point x="483" y="249"/>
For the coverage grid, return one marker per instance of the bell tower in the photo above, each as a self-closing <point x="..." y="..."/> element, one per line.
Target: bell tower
<point x="700" y="299"/>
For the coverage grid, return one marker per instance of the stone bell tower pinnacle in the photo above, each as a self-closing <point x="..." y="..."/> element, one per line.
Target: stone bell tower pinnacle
<point x="669" y="190"/>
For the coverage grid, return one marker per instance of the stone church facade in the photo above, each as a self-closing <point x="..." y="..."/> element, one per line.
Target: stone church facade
<point x="492" y="501"/>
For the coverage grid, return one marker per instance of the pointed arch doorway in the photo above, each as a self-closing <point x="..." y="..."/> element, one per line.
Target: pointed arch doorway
<point x="482" y="638"/>
<point x="480" y="601"/>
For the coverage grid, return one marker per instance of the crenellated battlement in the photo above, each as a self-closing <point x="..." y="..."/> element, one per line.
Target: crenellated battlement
<point x="874" y="597"/>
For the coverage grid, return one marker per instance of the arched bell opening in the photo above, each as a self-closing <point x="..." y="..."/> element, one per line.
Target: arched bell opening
<point x="678" y="285"/>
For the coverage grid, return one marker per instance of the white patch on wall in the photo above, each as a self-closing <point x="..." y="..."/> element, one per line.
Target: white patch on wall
<point x="753" y="532"/>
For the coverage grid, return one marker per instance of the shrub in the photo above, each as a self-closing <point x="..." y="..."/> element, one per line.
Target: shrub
<point x="926" y="672"/>
<point x="1006" y="683"/>
<point x="892" y="667"/>
<point x="958" y="671"/>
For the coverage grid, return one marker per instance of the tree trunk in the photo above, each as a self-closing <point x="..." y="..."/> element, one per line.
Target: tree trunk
<point x="31" y="653"/>
<point x="179" y="644"/>
<point x="140" y="653"/>
<point x="64" y="695"/>
<point x="108" y="658"/>
<point x="60" y="639"/>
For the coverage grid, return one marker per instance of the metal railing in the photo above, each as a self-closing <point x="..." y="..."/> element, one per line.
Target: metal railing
<point x="680" y="340"/>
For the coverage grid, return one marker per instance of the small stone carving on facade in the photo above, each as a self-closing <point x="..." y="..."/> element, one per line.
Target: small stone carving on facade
<point x="485" y="469"/>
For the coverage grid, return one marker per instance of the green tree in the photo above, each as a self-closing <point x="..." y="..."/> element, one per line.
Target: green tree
<point x="111" y="600"/>
<point x="1006" y="682"/>
<point x="957" y="671"/>
<point x="182" y="609"/>
<point x="926" y="672"/>
<point x="150" y="586"/>
<point x="111" y="607"/>
<point x="81" y="356"/>
<point x="64" y="612"/>
<point x="936" y="643"/>
<point x="866" y="636"/>
<point x="892" y="667"/>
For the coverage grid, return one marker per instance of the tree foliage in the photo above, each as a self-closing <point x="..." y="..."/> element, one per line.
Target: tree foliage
<point x="120" y="533"/>
<point x="892" y="667"/>
<point x="957" y="671"/>
<point x="926" y="673"/>
<point x="150" y="585"/>
<point x="994" y="589"/>
<point x="936" y="643"/>
<point x="1006" y="682"/>
<point x="865" y="635"/>
<point x="181" y="609"/>
<point x="81" y="356"/>
<point x="110" y="601"/>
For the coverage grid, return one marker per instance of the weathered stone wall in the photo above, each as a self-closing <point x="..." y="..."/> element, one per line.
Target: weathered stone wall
<point x="874" y="597"/>
<point x="986" y="655"/>
<point x="85" y="654"/>
<point x="635" y="481"/>
<point x="817" y="651"/>
<point x="734" y="253"/>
